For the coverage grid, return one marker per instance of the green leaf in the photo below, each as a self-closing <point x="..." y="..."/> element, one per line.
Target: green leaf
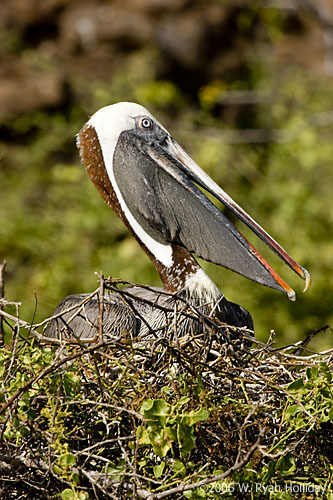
<point x="158" y="469"/>
<point x="48" y="356"/>
<point x="268" y="471"/>
<point x="171" y="432"/>
<point x="326" y="371"/>
<point x="155" y="408"/>
<point x="143" y="433"/>
<point x="286" y="464"/>
<point x="113" y="469"/>
<point x="160" y="408"/>
<point x="179" y="468"/>
<point x="72" y="384"/>
<point x="147" y="405"/>
<point x="31" y="414"/>
<point x="23" y="431"/>
<point x="195" y="416"/>
<point x="83" y="495"/>
<point x="185" y="438"/>
<point x="75" y="477"/>
<point x="195" y="494"/>
<point x="296" y="385"/>
<point x="312" y="373"/>
<point x="67" y="460"/>
<point x="166" y="389"/>
<point x="155" y="412"/>
<point x="57" y="470"/>
<point x="160" y="440"/>
<point x="292" y="410"/>
<point x="201" y="385"/>
<point x="67" y="494"/>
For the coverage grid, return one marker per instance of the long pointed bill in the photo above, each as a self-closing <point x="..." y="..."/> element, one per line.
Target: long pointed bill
<point x="196" y="174"/>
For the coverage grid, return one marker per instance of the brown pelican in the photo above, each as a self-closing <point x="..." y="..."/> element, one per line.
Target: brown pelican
<point x="151" y="184"/>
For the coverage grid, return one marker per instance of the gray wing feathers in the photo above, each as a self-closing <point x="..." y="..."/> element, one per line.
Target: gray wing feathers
<point x="118" y="320"/>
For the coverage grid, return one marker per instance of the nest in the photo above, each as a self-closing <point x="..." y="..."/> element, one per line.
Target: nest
<point x="200" y="416"/>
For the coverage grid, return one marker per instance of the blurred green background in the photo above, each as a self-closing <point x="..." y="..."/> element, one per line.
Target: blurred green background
<point x="246" y="88"/>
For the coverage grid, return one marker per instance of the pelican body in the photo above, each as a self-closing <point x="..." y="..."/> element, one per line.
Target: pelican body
<point x="152" y="185"/>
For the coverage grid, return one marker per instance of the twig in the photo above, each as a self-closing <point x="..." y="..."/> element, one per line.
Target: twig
<point x="19" y="460"/>
<point x="104" y="442"/>
<point x="100" y="306"/>
<point x="14" y="343"/>
<point x="195" y="314"/>
<point x="308" y="339"/>
<point x="2" y="295"/>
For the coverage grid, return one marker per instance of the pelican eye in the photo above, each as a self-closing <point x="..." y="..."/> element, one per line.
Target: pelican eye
<point x="146" y="123"/>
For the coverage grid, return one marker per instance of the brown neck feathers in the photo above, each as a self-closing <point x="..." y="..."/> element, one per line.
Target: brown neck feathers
<point x="92" y="159"/>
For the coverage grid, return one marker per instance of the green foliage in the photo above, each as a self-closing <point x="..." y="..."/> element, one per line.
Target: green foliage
<point x="165" y="426"/>
<point x="314" y="395"/>
<point x="114" y="417"/>
<point x="69" y="494"/>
